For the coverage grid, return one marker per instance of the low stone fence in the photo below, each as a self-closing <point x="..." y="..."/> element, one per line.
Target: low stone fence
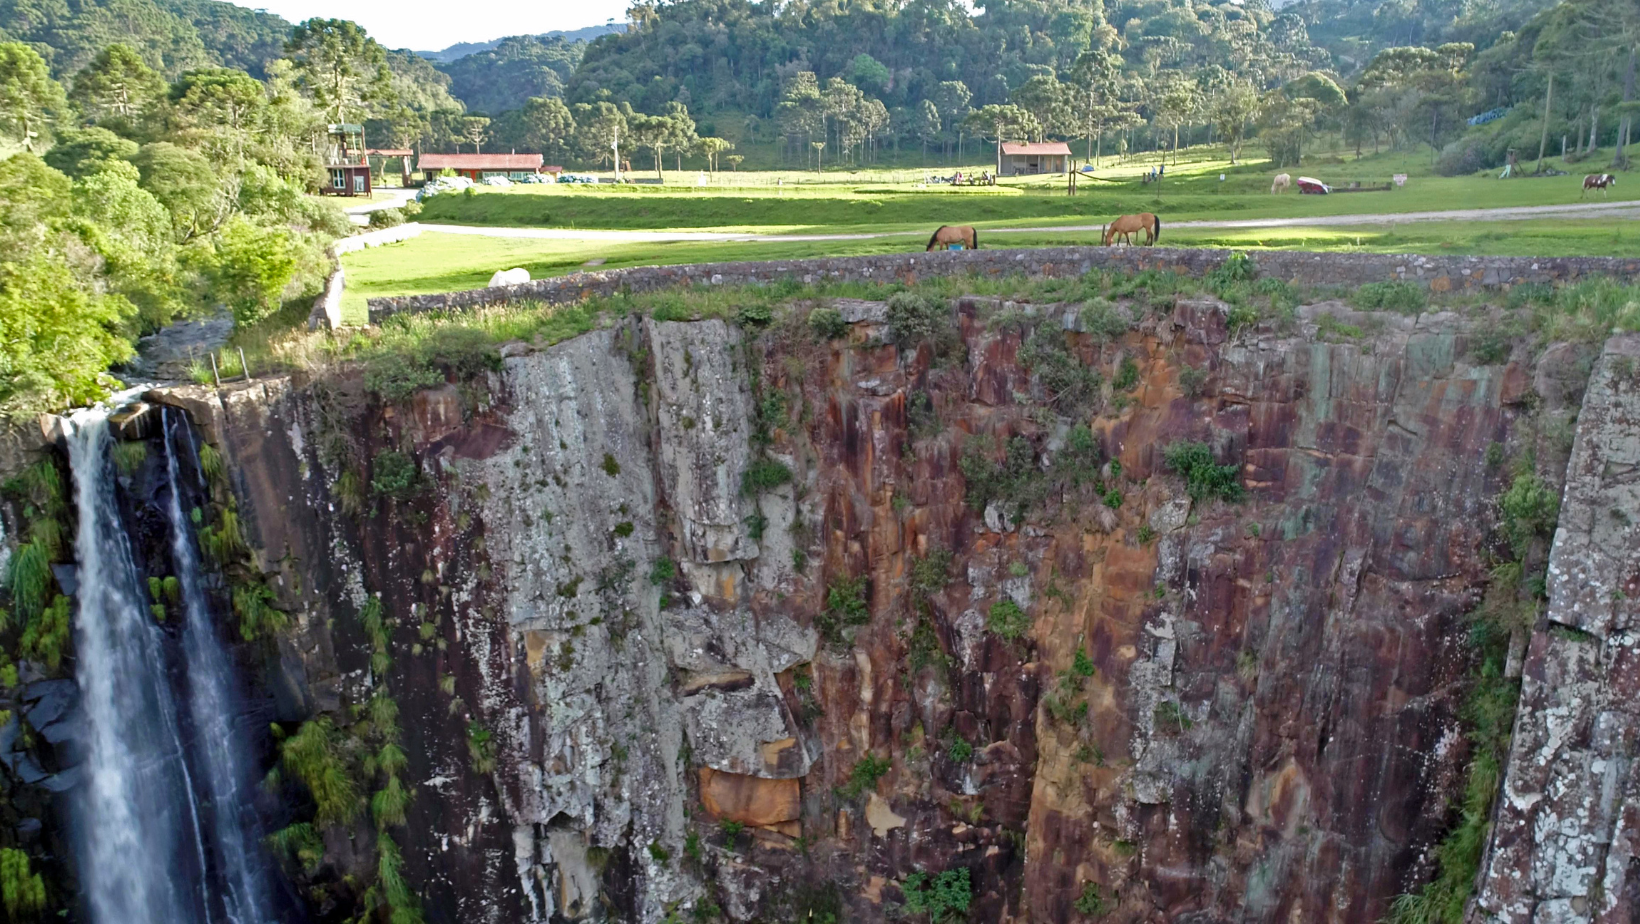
<point x="327" y="308"/>
<point x="1438" y="273"/>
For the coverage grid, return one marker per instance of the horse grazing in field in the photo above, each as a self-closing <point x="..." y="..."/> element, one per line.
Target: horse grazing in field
<point x="1283" y="182"/>
<point x="954" y="234"/>
<point x="1601" y="181"/>
<point x="1128" y="225"/>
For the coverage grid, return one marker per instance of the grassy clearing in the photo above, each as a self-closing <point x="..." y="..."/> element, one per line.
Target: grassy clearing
<point x="1191" y="191"/>
<point x="451" y="262"/>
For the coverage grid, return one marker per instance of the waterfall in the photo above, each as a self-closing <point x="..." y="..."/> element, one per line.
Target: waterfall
<point x="212" y="704"/>
<point x="163" y="829"/>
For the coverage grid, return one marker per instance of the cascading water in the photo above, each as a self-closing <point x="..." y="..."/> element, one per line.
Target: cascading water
<point x="162" y="822"/>
<point x="211" y="702"/>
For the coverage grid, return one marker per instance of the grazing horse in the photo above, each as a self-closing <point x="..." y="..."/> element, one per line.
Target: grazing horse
<point x="1283" y="182"/>
<point x="954" y="234"/>
<point x="1128" y="225"/>
<point x="1601" y="181"/>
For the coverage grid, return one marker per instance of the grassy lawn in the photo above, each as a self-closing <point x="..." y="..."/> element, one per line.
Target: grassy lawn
<point x="437" y="262"/>
<point x="1192" y="190"/>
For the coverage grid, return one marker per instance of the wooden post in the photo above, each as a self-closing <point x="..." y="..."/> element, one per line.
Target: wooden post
<point x="215" y="376"/>
<point x="244" y="366"/>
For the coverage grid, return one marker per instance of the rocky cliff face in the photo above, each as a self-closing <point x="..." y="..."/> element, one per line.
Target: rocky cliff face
<point x="681" y="619"/>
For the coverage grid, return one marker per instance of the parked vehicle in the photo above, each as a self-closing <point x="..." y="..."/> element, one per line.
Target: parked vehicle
<point x="443" y="184"/>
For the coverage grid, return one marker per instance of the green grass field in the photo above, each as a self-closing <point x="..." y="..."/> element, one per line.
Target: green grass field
<point x="1191" y="191"/>
<point x="437" y="262"/>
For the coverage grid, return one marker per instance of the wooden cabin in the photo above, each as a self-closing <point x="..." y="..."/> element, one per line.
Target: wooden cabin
<point x="1033" y="158"/>
<point x="476" y="167"/>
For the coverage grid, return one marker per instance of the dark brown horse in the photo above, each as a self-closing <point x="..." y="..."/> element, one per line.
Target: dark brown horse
<point x="1601" y="181"/>
<point x="1128" y="225"/>
<point x="954" y="234"/>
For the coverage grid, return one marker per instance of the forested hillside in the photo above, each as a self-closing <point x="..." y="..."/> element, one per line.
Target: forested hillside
<point x="172" y="35"/>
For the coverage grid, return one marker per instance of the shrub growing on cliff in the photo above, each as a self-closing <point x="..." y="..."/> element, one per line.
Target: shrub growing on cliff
<point x="944" y="898"/>
<point x="1007" y="620"/>
<point x="253" y="604"/>
<point x="762" y="475"/>
<point x="864" y="775"/>
<point x="1070" y="383"/>
<point x="827" y="324"/>
<point x="1016" y="481"/>
<point x="1530" y="509"/>
<point x="1203" y="477"/>
<point x="21" y="889"/>
<point x="317" y="757"/>
<point x="846" y="607"/>
<point x="1090" y="902"/>
<point x="480" y="748"/>
<point x="915" y="319"/>
<point x="393" y="474"/>
<point x="1400" y="297"/>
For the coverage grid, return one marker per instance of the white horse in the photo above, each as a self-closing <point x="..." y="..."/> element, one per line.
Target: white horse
<point x="1282" y="183"/>
<point x="510" y="277"/>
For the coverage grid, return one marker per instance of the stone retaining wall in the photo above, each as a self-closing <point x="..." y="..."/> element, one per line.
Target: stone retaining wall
<point x="327" y="308"/>
<point x="1440" y="274"/>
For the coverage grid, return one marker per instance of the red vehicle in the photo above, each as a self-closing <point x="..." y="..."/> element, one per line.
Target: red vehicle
<point x="1312" y="186"/>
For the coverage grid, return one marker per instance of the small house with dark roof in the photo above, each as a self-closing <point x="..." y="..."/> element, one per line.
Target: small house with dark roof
<point x="476" y="167"/>
<point x="1034" y="158"/>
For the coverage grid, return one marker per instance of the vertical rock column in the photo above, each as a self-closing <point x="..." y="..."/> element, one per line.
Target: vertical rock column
<point x="1566" y="837"/>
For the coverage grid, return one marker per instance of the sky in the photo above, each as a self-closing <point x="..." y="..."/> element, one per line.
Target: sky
<point x="425" y="25"/>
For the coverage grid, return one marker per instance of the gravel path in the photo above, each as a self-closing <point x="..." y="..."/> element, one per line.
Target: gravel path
<point x="1606" y="210"/>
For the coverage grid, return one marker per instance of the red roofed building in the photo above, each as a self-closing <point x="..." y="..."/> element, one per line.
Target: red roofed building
<point x="1038" y="157"/>
<point x="476" y="167"/>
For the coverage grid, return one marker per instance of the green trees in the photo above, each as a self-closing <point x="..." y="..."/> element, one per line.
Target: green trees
<point x="1001" y="122"/>
<point x="250" y="268"/>
<point x="343" y="68"/>
<point x="116" y="87"/>
<point x="546" y="125"/>
<point x="186" y="184"/>
<point x="81" y="151"/>
<point x="29" y="98"/>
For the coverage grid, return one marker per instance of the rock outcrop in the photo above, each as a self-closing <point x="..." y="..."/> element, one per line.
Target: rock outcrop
<point x="635" y="680"/>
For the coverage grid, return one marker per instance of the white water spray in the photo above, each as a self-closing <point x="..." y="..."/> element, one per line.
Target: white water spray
<point x="164" y="824"/>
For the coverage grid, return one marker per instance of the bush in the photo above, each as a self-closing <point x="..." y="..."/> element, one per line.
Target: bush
<point x="944" y="898"/>
<point x="867" y="771"/>
<point x="317" y="756"/>
<point x="846" y="606"/>
<point x="393" y="474"/>
<point x="1203" y="477"/>
<point x="827" y="323"/>
<point x="1192" y="381"/>
<point x="1090" y="902"/>
<point x="386" y="218"/>
<point x="1238" y="268"/>
<point x="251" y="268"/>
<point x="1101" y="319"/>
<point x="1400" y="297"/>
<point x="1070" y="384"/>
<point x="21" y="889"/>
<point x="915" y="319"/>
<point x="763" y="475"/>
<point x="1007" y="620"/>
<point x="1016" y="481"/>
<point x="1530" y="509"/>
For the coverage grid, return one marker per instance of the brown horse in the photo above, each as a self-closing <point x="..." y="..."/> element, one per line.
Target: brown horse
<point x="1127" y="225"/>
<point x="1601" y="181"/>
<point x="954" y="234"/>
